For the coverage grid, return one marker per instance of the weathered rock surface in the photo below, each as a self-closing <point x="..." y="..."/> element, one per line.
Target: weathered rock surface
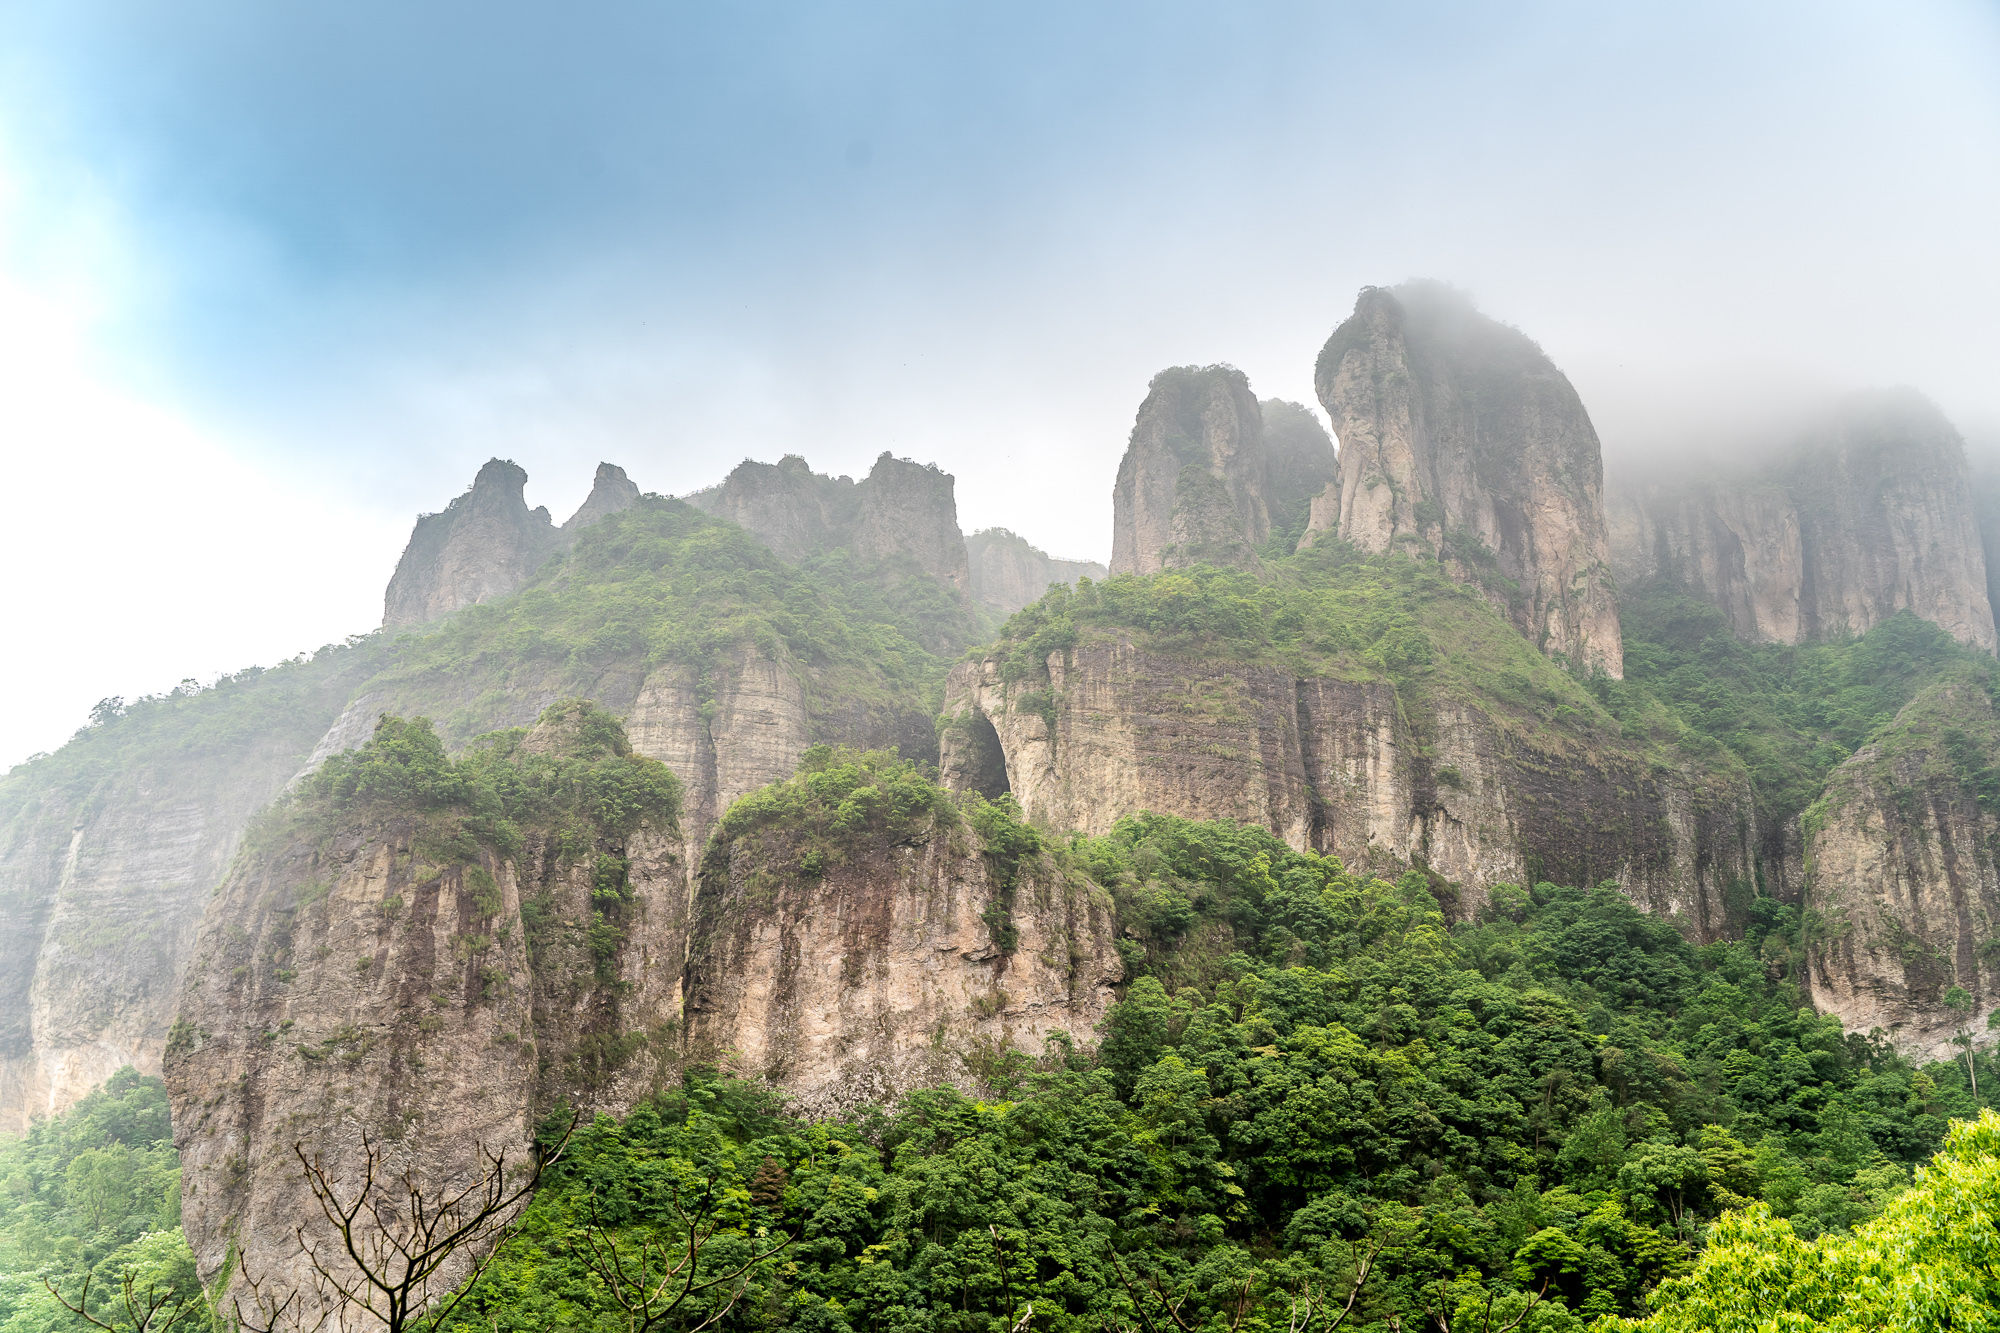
<point x="1902" y="876"/>
<point x="391" y="976"/>
<point x="1191" y="485"/>
<point x="1344" y="766"/>
<point x="107" y="853"/>
<point x="611" y="492"/>
<point x="1870" y="512"/>
<point x="902" y="511"/>
<point x="1007" y="572"/>
<point x="486" y="544"/>
<point x="885" y="973"/>
<point x="1459" y="436"/>
<point x="1299" y="463"/>
<point x="390" y="973"/>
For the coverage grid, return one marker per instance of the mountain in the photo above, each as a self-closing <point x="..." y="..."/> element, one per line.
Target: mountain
<point x="1868" y="512"/>
<point x="1008" y="572"/>
<point x="1459" y="437"/>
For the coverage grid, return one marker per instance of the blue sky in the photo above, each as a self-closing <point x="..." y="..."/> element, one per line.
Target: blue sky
<point x="273" y="278"/>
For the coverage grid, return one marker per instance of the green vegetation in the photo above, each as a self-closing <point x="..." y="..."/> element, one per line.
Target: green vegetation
<point x="92" y="1193"/>
<point x="1308" y="1067"/>
<point x="664" y="583"/>
<point x="1931" y="1261"/>
<point x="1332" y="611"/>
<point x="583" y="784"/>
<point x="1791" y="714"/>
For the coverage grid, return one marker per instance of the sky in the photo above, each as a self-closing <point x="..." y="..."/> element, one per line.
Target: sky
<point x="274" y="279"/>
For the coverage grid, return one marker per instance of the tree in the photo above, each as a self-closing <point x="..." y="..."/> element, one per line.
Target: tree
<point x="148" y="1309"/>
<point x="657" y="1278"/>
<point x="391" y="1239"/>
<point x="1960" y="1003"/>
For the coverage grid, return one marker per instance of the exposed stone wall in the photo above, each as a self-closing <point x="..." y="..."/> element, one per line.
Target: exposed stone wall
<point x="1342" y="766"/>
<point x="1459" y="436"/>
<point x="1191" y="485"/>
<point x="1902" y="886"/>
<point x="1869" y="512"/>
<point x="1008" y="572"/>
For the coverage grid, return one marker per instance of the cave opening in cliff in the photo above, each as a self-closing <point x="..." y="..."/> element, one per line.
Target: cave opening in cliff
<point x="987" y="766"/>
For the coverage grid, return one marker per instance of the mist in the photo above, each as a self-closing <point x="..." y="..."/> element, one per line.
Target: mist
<point x="273" y="281"/>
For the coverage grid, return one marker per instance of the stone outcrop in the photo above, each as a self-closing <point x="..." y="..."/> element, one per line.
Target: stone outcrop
<point x="1869" y="512"/>
<point x="379" y="973"/>
<point x="1458" y="436"/>
<point x="1902" y="878"/>
<point x="381" y="969"/>
<point x="836" y="986"/>
<point x="901" y="512"/>
<point x="1341" y="764"/>
<point x="1008" y="572"/>
<point x="1190" y="488"/>
<point x="486" y="544"/>
<point x="108" y="851"/>
<point x="611" y="492"/>
<point x="1299" y="463"/>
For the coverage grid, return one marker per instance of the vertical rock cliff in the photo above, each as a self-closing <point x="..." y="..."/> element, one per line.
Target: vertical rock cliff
<point x="418" y="951"/>
<point x="611" y="492"/>
<point x="1008" y="572"/>
<point x="901" y="512"/>
<point x="1459" y="436"/>
<point x="1191" y="486"/>
<point x="484" y="545"/>
<point x="436" y="952"/>
<point x="1505" y="771"/>
<point x="108" y="850"/>
<point x="1868" y="512"/>
<point x="1902" y="883"/>
<point x="848" y="967"/>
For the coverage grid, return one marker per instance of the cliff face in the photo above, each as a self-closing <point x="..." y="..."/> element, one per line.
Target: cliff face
<point x="1348" y="765"/>
<point x="389" y="968"/>
<point x="1902" y="875"/>
<point x="1007" y="572"/>
<point x="107" y="853"/>
<point x="484" y="545"/>
<point x="405" y="967"/>
<point x="611" y="492"/>
<point x="902" y="511"/>
<point x="1299" y="463"/>
<point x="837" y="983"/>
<point x="1458" y="436"/>
<point x="488" y="543"/>
<point x="1191" y="486"/>
<point x="1870" y="512"/>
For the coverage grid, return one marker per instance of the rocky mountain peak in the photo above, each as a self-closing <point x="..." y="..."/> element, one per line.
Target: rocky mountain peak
<point x="484" y="545"/>
<point x="1191" y="486"/>
<point x="1458" y="434"/>
<point x="1008" y="571"/>
<point x="610" y="493"/>
<point x="1868" y="510"/>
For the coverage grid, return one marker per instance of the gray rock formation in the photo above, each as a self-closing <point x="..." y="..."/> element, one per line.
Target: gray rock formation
<point x="836" y="987"/>
<point x="1346" y="765"/>
<point x="1191" y="485"/>
<point x="1299" y="463"/>
<point x="486" y="544"/>
<point x="108" y="851"/>
<point x="1869" y="512"/>
<point x="1458" y="436"/>
<point x="1008" y="572"/>
<point x="382" y="970"/>
<point x="901" y="512"/>
<point x="611" y="492"/>
<point x="1903" y="881"/>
